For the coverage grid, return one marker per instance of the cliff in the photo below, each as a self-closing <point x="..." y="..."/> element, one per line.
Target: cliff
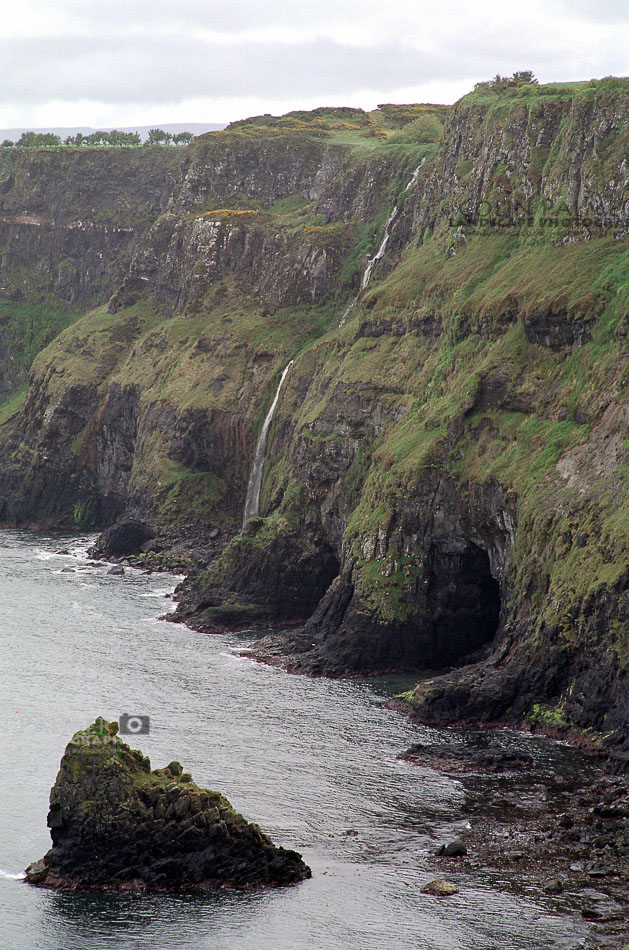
<point x="115" y="824"/>
<point x="444" y="483"/>
<point x="70" y="218"/>
<point x="69" y="221"/>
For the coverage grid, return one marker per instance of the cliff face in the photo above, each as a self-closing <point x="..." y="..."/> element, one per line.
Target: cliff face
<point x="551" y="160"/>
<point x="164" y="421"/>
<point x="444" y="473"/>
<point x="69" y="221"/>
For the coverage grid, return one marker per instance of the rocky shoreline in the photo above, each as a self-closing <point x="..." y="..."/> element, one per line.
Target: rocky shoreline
<point x="281" y="643"/>
<point x="444" y="469"/>
<point x="562" y="840"/>
<point x="557" y="834"/>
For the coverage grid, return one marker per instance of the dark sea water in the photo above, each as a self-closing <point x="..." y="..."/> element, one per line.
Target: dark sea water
<point x="310" y="760"/>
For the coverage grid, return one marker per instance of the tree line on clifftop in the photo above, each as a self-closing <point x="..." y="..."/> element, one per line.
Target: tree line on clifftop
<point x="522" y="77"/>
<point x="115" y="137"/>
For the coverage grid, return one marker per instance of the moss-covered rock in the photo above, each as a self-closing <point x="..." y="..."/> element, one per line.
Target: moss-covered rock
<point x="275" y="570"/>
<point x="440" y="888"/>
<point x="115" y="823"/>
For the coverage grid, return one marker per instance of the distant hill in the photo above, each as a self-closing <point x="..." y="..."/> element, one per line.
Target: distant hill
<point x="197" y="128"/>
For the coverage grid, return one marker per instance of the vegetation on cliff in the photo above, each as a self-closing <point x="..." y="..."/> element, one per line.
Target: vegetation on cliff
<point x="446" y="475"/>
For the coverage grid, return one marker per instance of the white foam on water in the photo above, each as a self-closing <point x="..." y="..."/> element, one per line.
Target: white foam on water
<point x="41" y="555"/>
<point x="12" y="877"/>
<point x="158" y="592"/>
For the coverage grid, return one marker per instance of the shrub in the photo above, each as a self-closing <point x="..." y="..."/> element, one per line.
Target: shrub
<point x="83" y="514"/>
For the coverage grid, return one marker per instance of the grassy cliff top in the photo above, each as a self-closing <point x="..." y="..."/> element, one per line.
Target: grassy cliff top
<point x="487" y="93"/>
<point x="405" y="123"/>
<point x="388" y="124"/>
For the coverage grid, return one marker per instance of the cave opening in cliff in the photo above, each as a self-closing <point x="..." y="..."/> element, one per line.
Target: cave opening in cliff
<point x="464" y="601"/>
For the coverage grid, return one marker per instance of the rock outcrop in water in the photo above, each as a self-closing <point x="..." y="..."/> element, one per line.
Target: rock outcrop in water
<point x="445" y="473"/>
<point x="115" y="823"/>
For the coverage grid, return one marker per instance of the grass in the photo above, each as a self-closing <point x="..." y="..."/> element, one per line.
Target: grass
<point x="426" y="389"/>
<point x="13" y="404"/>
<point x="194" y="498"/>
<point x="31" y="326"/>
<point x="531" y="91"/>
<point x="495" y="284"/>
<point x="168" y="362"/>
<point x="362" y="132"/>
<point x="498" y="275"/>
<point x="553" y="717"/>
<point x="88" y="351"/>
<point x="83" y="514"/>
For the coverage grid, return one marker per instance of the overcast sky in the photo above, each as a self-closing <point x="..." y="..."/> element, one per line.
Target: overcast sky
<point x="126" y="62"/>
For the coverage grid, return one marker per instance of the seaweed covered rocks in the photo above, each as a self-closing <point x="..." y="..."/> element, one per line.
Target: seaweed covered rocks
<point x="115" y="823"/>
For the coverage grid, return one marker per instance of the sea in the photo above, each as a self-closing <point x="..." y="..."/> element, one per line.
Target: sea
<point x="315" y="762"/>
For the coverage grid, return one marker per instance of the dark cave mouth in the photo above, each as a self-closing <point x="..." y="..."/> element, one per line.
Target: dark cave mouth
<point x="464" y="601"/>
<point x="458" y="617"/>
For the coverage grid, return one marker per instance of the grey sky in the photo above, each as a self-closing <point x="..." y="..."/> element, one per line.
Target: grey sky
<point x="122" y="62"/>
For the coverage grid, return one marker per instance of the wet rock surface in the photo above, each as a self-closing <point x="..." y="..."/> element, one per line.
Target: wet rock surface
<point x="550" y="823"/>
<point x="440" y="888"/>
<point x="266" y="581"/>
<point x="115" y="824"/>
<point x="125" y="537"/>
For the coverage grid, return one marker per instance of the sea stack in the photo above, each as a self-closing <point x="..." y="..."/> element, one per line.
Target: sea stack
<point x="115" y="824"/>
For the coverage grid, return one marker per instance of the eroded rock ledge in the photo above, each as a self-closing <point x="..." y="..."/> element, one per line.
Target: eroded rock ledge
<point x="115" y="824"/>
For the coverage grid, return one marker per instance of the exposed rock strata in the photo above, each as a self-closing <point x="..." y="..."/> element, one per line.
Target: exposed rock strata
<point x="444" y="480"/>
<point x="70" y="218"/>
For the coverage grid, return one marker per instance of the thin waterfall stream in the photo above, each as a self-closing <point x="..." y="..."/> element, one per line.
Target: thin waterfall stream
<point x="252" y="501"/>
<point x="371" y="263"/>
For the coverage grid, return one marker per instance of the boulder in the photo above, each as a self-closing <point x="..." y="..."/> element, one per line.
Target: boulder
<point x="554" y="887"/>
<point x="115" y="824"/>
<point x="152" y="547"/>
<point x="440" y="888"/>
<point x="124" y="537"/>
<point x="455" y="849"/>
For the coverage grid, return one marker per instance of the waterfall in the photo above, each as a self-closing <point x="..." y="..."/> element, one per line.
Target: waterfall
<point x="348" y="310"/>
<point x="252" y="501"/>
<point x="371" y="263"/>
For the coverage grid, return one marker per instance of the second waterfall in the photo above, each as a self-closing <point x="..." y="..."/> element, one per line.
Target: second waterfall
<point x="252" y="501"/>
<point x="371" y="263"/>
